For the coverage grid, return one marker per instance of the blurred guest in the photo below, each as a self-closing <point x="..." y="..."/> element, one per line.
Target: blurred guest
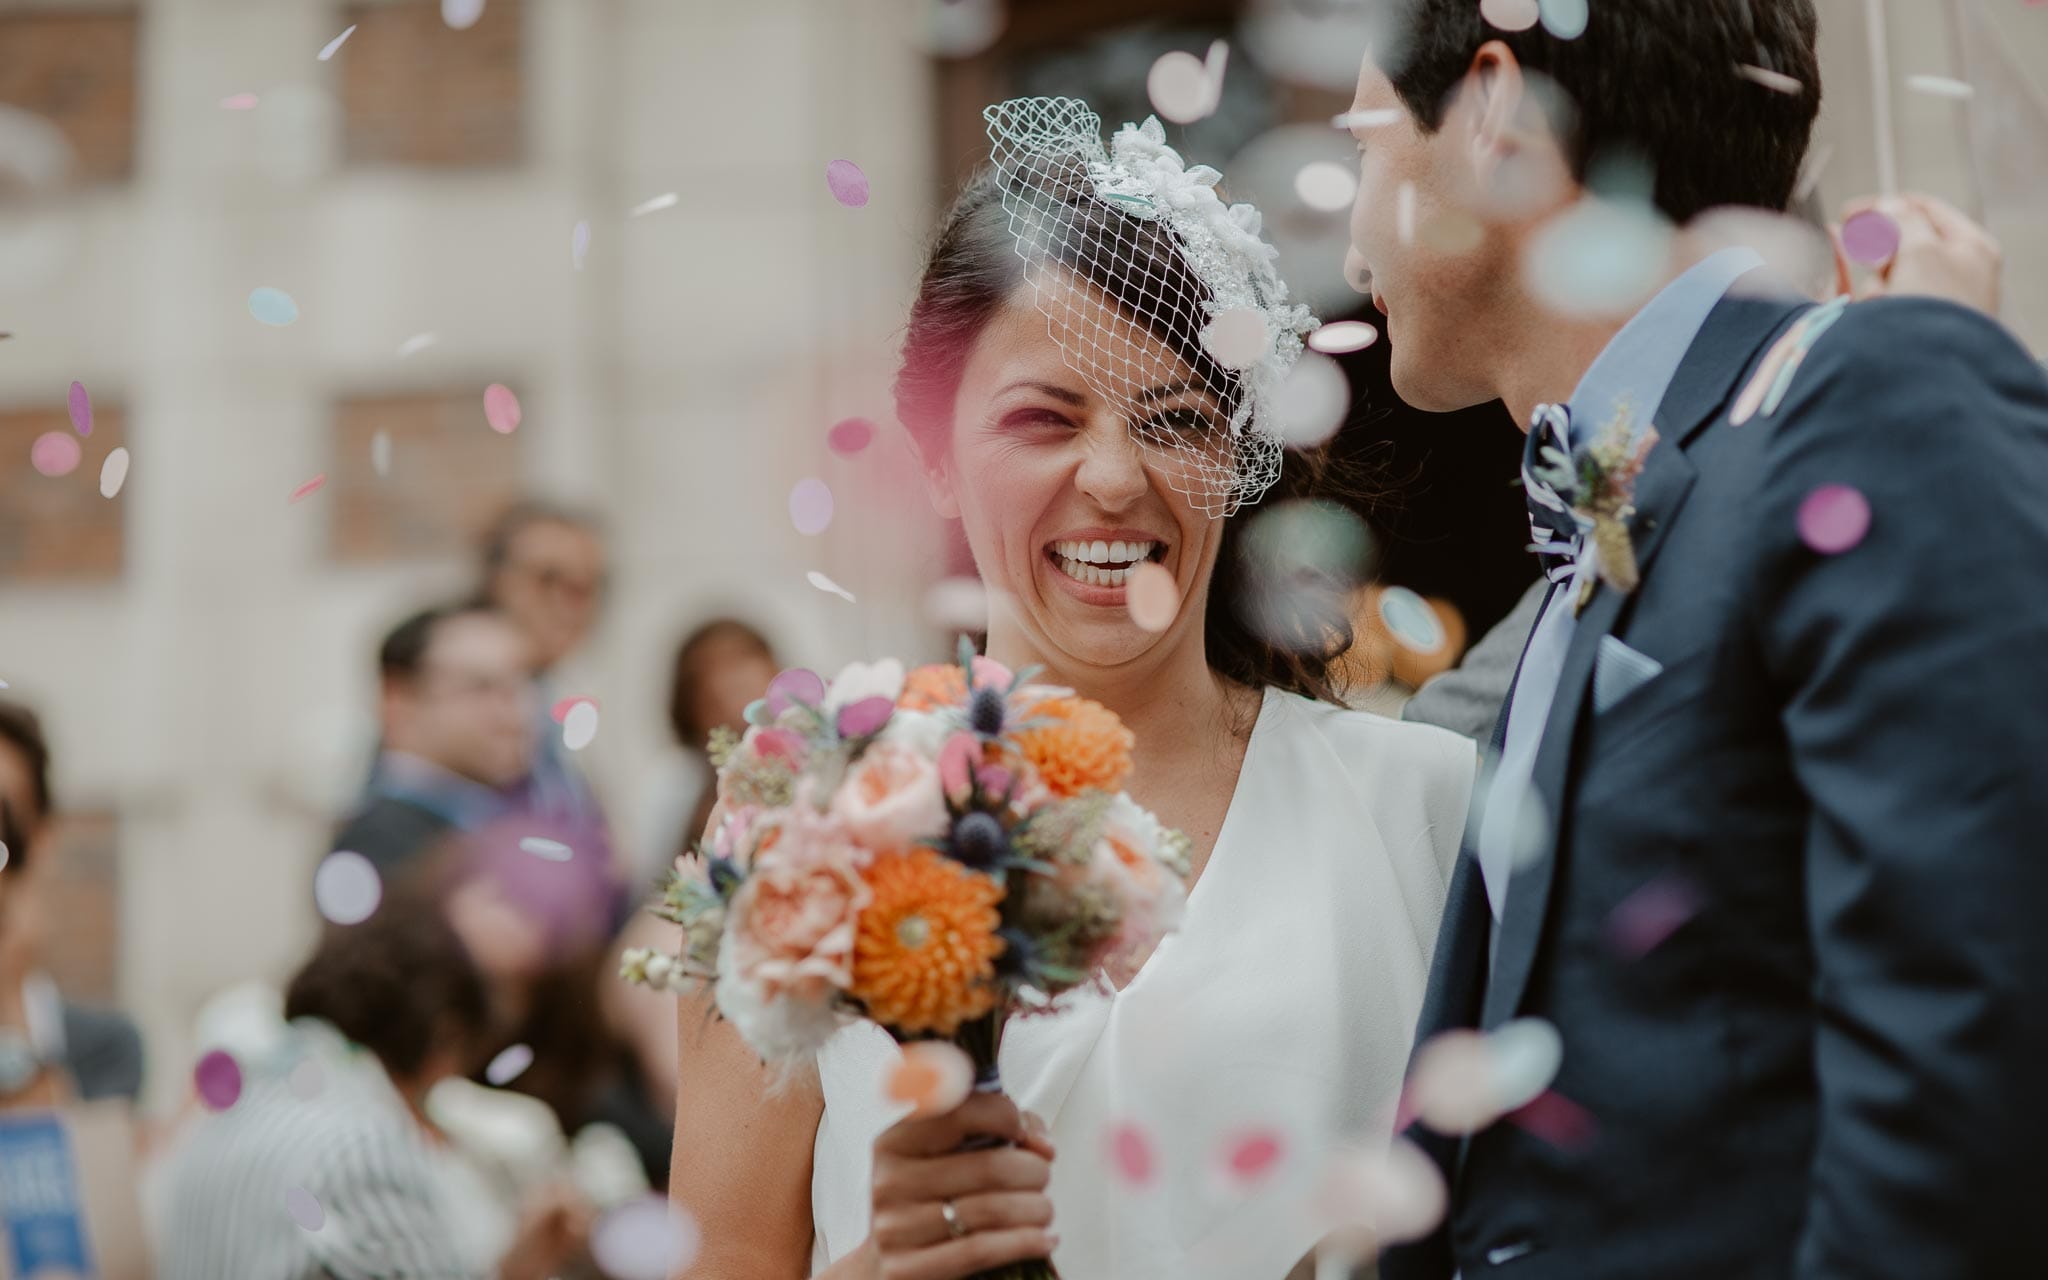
<point x="455" y="732"/>
<point x="97" y="1052"/>
<point x="325" y="1165"/>
<point x="721" y="667"/>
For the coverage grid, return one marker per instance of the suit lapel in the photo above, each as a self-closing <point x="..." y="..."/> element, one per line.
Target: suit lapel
<point x="1735" y="331"/>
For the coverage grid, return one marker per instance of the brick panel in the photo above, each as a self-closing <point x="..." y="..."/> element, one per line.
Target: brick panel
<point x="76" y="70"/>
<point x="415" y="93"/>
<point x="59" y="528"/>
<point x="450" y="474"/>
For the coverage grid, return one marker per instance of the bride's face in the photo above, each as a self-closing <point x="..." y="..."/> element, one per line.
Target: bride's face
<point x="1059" y="502"/>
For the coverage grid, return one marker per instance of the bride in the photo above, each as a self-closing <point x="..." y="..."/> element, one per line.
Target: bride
<point x="1072" y="414"/>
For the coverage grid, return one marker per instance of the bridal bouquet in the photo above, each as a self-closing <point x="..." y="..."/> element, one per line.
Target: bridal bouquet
<point x="932" y="851"/>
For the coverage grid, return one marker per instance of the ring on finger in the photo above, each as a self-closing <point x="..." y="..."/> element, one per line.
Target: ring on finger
<point x="954" y="1227"/>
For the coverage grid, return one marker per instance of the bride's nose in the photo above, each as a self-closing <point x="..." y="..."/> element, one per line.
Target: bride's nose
<point x="1112" y="470"/>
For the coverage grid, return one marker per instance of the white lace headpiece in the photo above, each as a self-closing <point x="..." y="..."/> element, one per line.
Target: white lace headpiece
<point x="1229" y="307"/>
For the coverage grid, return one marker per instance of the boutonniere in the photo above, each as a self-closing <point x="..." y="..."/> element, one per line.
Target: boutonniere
<point x="1597" y="479"/>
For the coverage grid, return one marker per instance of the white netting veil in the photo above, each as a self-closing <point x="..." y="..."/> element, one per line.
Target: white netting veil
<point x="1126" y="250"/>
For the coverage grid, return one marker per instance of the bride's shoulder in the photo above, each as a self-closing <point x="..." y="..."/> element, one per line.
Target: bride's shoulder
<point x="1389" y="755"/>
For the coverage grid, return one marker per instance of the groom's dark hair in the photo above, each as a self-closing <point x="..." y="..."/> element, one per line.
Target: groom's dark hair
<point x="1654" y="82"/>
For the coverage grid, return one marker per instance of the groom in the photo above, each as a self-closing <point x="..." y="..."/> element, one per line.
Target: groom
<point x="1768" y="839"/>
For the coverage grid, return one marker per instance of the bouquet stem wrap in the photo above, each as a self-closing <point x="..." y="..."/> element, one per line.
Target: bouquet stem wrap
<point x="982" y="1039"/>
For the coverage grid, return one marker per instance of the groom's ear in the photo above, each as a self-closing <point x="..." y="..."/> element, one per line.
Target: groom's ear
<point x="1495" y="89"/>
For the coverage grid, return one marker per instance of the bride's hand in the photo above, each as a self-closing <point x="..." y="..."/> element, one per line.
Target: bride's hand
<point x="941" y="1213"/>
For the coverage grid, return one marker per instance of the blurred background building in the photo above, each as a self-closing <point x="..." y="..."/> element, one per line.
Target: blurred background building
<point x="617" y="210"/>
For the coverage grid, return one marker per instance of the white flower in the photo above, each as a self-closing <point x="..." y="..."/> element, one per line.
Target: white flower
<point x="863" y="680"/>
<point x="786" y="1030"/>
<point x="921" y="731"/>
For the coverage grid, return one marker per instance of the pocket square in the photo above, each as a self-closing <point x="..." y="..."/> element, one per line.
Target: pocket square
<point x="1618" y="672"/>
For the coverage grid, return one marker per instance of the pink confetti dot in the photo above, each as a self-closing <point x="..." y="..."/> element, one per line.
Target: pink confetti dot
<point x="850" y="436"/>
<point x="501" y="409"/>
<point x="54" y="454"/>
<point x="1556" y="1119"/>
<point x="81" y="410"/>
<point x="238" y="102"/>
<point x="218" y="1078"/>
<point x="1153" y="597"/>
<point x="563" y="706"/>
<point x="810" y="507"/>
<point x="1254" y="1155"/>
<point x="1130" y="1154"/>
<point x="1650" y="915"/>
<point x="795" y="687"/>
<point x="304" y="1209"/>
<point x="848" y="184"/>
<point x="1833" y="519"/>
<point x="865" y="718"/>
<point x="1870" y="238"/>
<point x="309" y="487"/>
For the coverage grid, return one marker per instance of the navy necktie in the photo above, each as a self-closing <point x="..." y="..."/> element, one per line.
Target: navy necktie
<point x="1549" y="489"/>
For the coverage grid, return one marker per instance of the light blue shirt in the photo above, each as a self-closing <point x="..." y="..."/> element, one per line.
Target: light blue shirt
<point x="1635" y="369"/>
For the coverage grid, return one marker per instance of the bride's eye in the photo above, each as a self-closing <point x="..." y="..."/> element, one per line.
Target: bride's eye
<point x="1033" y="419"/>
<point x="1179" y="425"/>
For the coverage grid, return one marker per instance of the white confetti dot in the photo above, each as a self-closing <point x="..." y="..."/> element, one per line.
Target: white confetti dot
<point x="1312" y="401"/>
<point x="1326" y="186"/>
<point x="1238" y="338"/>
<point x="380" y="453"/>
<point x="645" y="1239"/>
<point x="346" y="888"/>
<point x="336" y="43"/>
<point x="1341" y="336"/>
<point x="304" y="1209"/>
<point x="417" y="343"/>
<point x="114" y="473"/>
<point x="579" y="244"/>
<point x="825" y="584"/>
<point x="509" y="1065"/>
<point x="1375" y="118"/>
<point x="1526" y="1055"/>
<point x="1511" y="15"/>
<point x="461" y="14"/>
<point x="542" y="847"/>
<point x="1565" y="19"/>
<point x="3" y="855"/>
<point x="579" y="727"/>
<point x="1775" y="81"/>
<point x="307" y="1080"/>
<point x="1180" y="89"/>
<point x="666" y="200"/>
<point x="1600" y="259"/>
<point x="1410" y="620"/>
<point x="1940" y="87"/>
<point x="957" y="604"/>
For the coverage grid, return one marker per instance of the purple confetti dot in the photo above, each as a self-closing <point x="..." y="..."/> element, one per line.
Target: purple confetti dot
<point x="850" y="436"/>
<point x="218" y="1078"/>
<point x="305" y="1210"/>
<point x="794" y="687"/>
<point x="1833" y="519"/>
<point x="1650" y="915"/>
<point x="501" y="409"/>
<point x="865" y="718"/>
<point x="1870" y="238"/>
<point x="810" y="506"/>
<point x="849" y="185"/>
<point x="81" y="410"/>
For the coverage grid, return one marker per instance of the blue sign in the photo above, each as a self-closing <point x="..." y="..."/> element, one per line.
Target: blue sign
<point x="40" y="1213"/>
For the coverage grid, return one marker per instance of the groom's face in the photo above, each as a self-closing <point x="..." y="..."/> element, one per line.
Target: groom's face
<point x="1438" y="271"/>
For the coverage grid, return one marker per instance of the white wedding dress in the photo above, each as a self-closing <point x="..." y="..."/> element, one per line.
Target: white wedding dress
<point x="1283" y="1007"/>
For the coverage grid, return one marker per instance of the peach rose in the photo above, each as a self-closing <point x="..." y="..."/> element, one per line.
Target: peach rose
<point x="791" y="925"/>
<point x="891" y="798"/>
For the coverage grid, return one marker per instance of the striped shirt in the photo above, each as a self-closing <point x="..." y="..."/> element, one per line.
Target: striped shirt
<point x="317" y="1171"/>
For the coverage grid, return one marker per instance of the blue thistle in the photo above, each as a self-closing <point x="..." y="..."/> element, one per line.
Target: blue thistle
<point x="979" y="841"/>
<point x="987" y="712"/>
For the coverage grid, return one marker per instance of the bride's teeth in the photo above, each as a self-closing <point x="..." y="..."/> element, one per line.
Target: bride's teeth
<point x="1099" y="553"/>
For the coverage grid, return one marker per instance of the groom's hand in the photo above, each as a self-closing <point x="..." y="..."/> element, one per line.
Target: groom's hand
<point x="1941" y="254"/>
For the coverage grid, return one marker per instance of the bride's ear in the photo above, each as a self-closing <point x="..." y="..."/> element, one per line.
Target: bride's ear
<point x="938" y="486"/>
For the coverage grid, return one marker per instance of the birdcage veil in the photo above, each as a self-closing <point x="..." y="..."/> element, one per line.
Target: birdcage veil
<point x="1132" y="222"/>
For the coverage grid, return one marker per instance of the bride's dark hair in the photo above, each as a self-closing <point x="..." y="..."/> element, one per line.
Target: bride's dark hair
<point x="974" y="267"/>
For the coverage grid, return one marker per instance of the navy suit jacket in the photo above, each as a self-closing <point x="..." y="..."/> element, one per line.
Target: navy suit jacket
<point x="1837" y="1064"/>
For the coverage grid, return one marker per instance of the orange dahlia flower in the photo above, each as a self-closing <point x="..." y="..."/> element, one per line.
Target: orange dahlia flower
<point x="1084" y="745"/>
<point x="925" y="951"/>
<point x="929" y="688"/>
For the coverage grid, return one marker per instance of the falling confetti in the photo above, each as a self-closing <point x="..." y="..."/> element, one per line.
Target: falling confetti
<point x="380" y="453"/>
<point x="1131" y="1155"/>
<point x="579" y="244"/>
<point x="666" y="200"/>
<point x="1374" y="118"/>
<point x="1450" y="1088"/>
<point x="796" y="687"/>
<point x="347" y="888"/>
<point x="55" y="453"/>
<point x="1833" y="519"/>
<point x="417" y="343"/>
<point x="304" y="1209"/>
<point x="849" y="186"/>
<point x="272" y="306"/>
<point x="1238" y="338"/>
<point x="1410" y="620"/>
<point x="1557" y="1120"/>
<point x="309" y="487"/>
<point x="1397" y="1195"/>
<point x="1511" y="15"/>
<point x="850" y="436"/>
<point x="307" y="1080"/>
<point x="644" y="1239"/>
<point x="1180" y="87"/>
<point x="218" y="1078"/>
<point x="1601" y="259"/>
<point x="81" y="409"/>
<point x="825" y="584"/>
<point x="1152" y="596"/>
<point x="1252" y="1156"/>
<point x="579" y="727"/>
<point x="1526" y="1054"/>
<point x="1341" y="336"/>
<point x="1650" y="915"/>
<point x="545" y="849"/>
<point x="1404" y="212"/>
<point x="1565" y="19"/>
<point x="3" y="855"/>
<point x="501" y="409"/>
<point x="1303" y="560"/>
<point x="810" y="506"/>
<point x="1870" y="237"/>
<point x="509" y="1065"/>
<point x="957" y="604"/>
<point x="461" y="14"/>
<point x="238" y="102"/>
<point x="931" y="1077"/>
<point x="1940" y="87"/>
<point x="963" y="28"/>
<point x="1326" y="186"/>
<point x="563" y="706"/>
<point x="336" y="43"/>
<point x="1775" y="81"/>
<point x="865" y="718"/>
<point x="1312" y="401"/>
<point x="113" y="473"/>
